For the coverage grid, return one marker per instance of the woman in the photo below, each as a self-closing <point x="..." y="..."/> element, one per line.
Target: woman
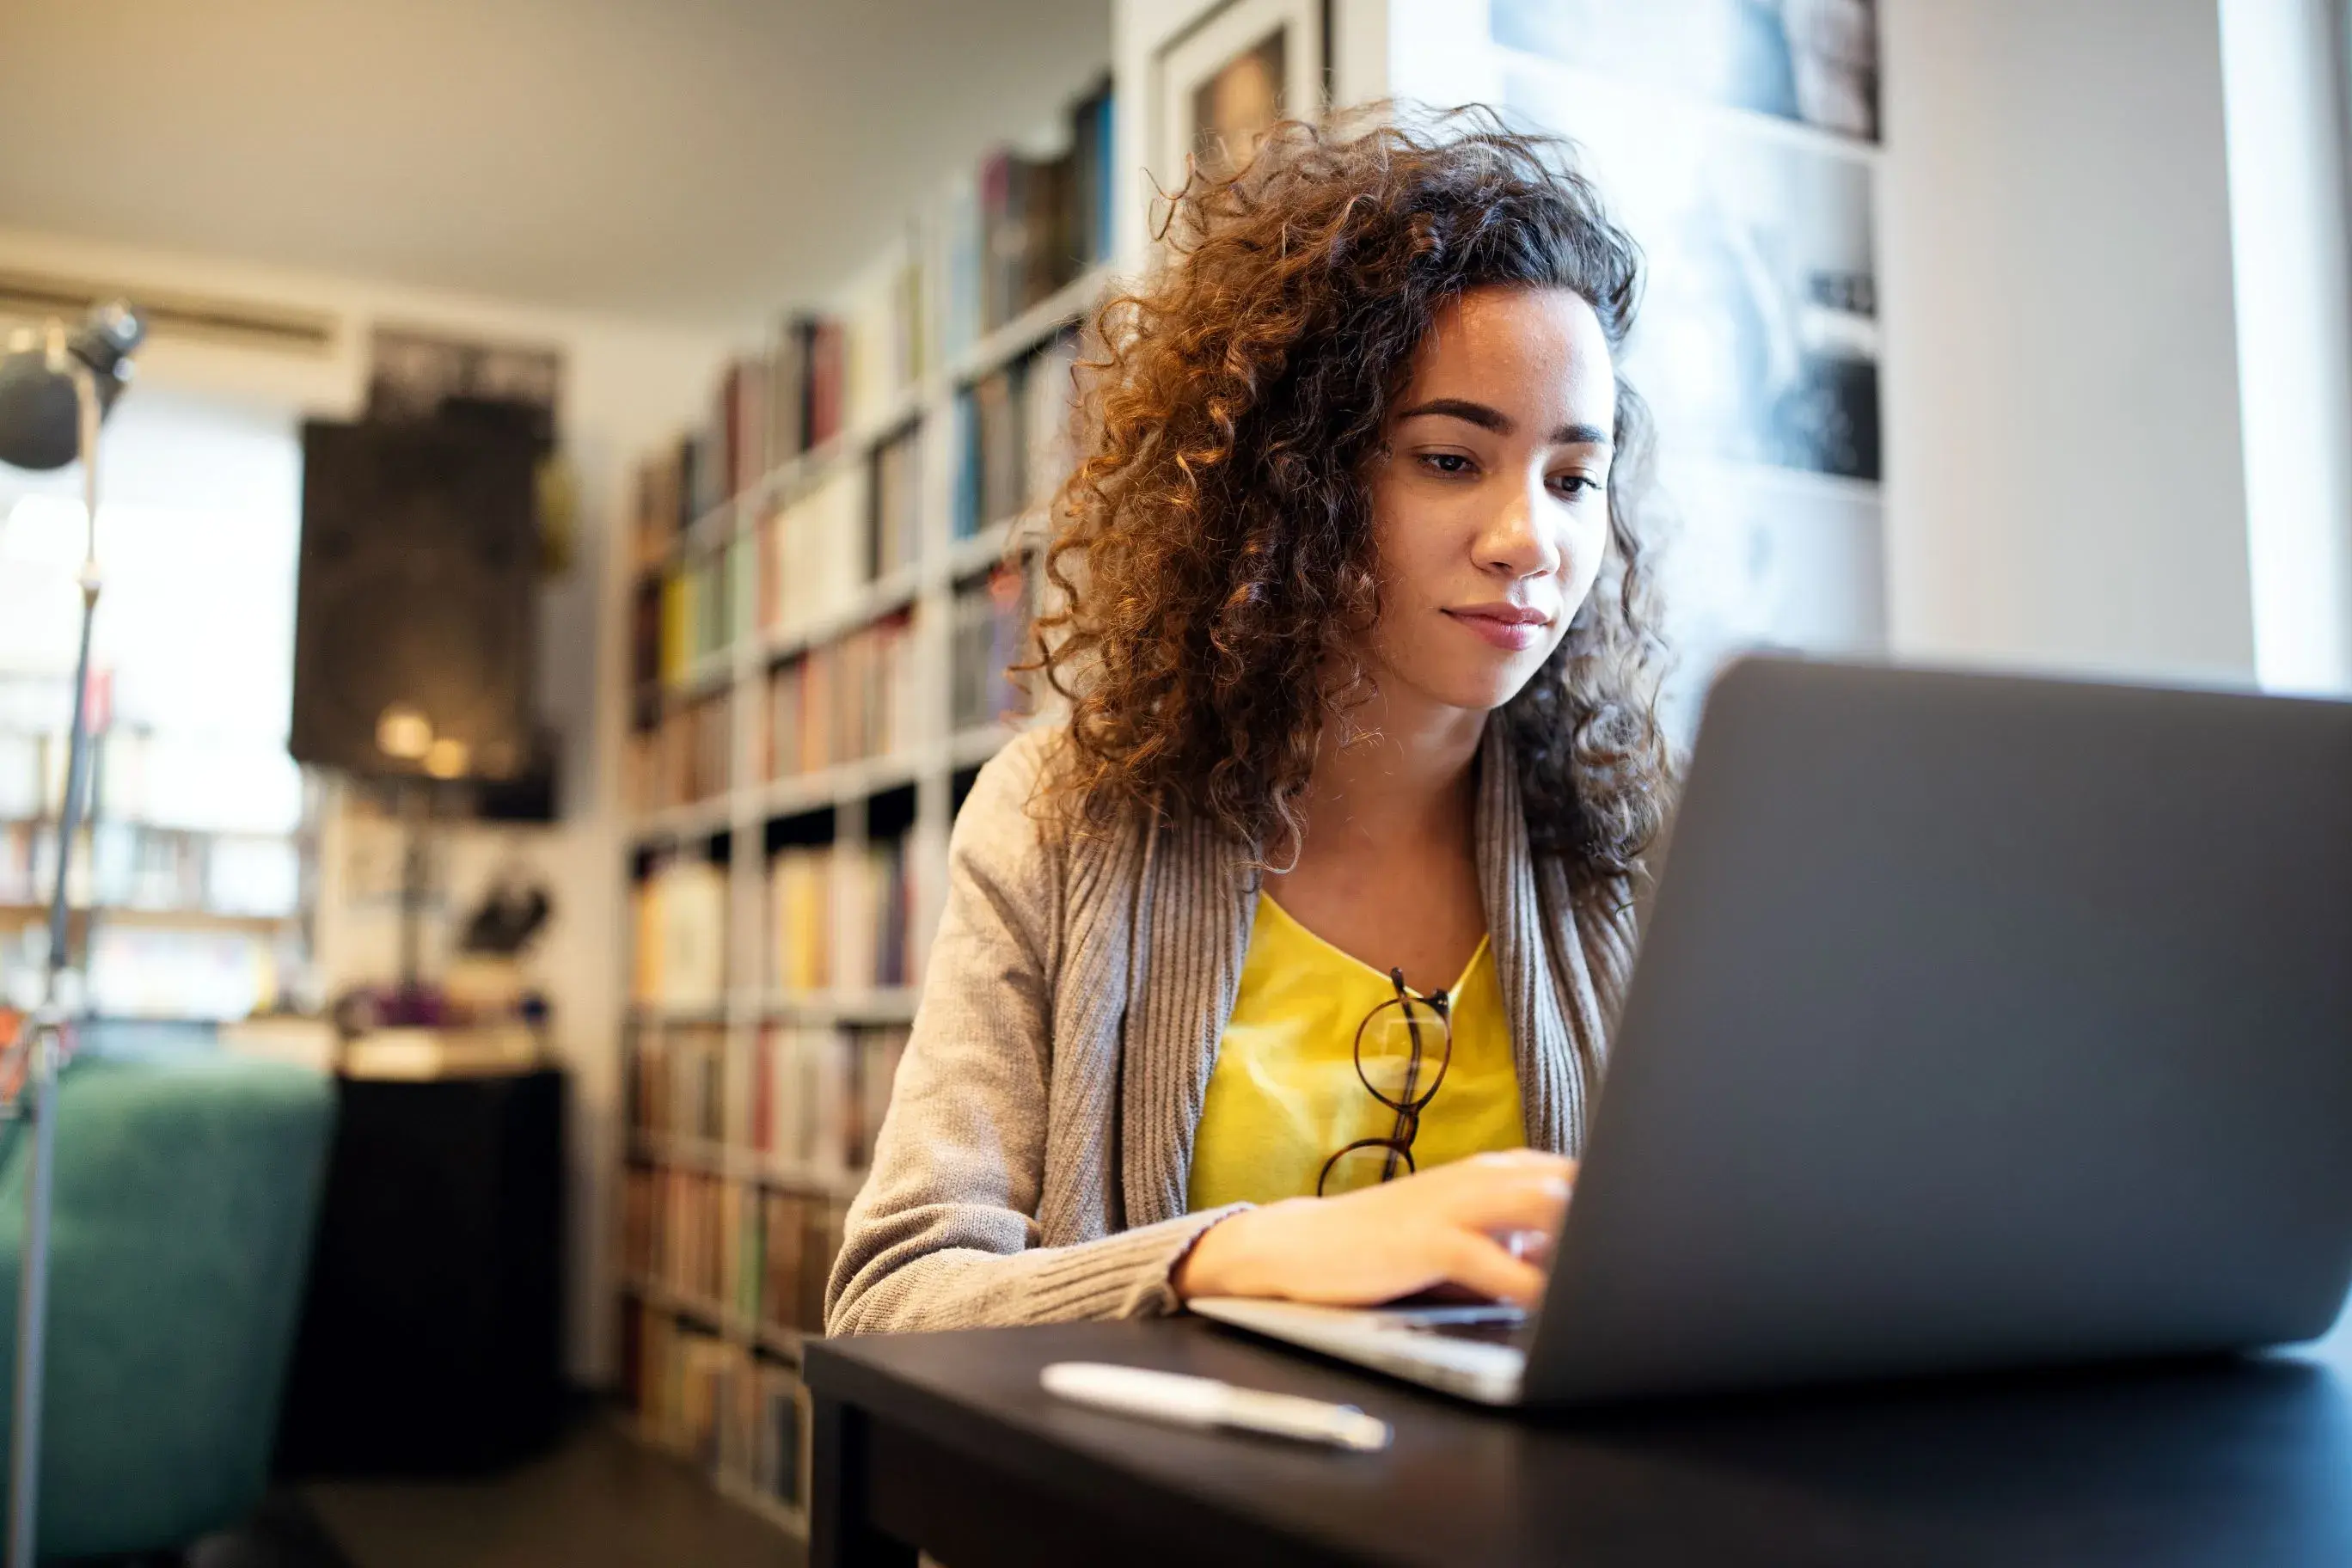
<point x="1284" y="968"/>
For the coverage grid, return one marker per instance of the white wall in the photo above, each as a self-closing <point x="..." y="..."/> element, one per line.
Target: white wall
<point x="2112" y="260"/>
<point x="2282" y="62"/>
<point x="627" y="385"/>
<point x="2065" y="462"/>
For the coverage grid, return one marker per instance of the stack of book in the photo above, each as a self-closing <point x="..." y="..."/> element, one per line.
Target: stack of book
<point x="676" y="486"/>
<point x="887" y="330"/>
<point x="1018" y="229"/>
<point x="843" y="701"/>
<point x="683" y="756"/>
<point x="807" y="401"/>
<point x="738" y="1414"/>
<point x="700" y="604"/>
<point x="813" y="552"/>
<point x="751" y="1252"/>
<point x="799" y="1237"/>
<point x="694" y="1245"/>
<point x="819" y="1094"/>
<point x="992" y="626"/>
<point x="119" y="866"/>
<point x="679" y="913"/>
<point x="679" y="1373"/>
<point x="1025" y="226"/>
<point x="678" y="1085"/>
<point x="1016" y="437"/>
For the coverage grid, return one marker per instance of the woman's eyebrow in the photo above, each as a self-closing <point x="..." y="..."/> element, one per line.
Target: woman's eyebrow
<point x="1500" y="423"/>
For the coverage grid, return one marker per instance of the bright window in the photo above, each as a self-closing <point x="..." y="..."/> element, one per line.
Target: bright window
<point x="196" y="865"/>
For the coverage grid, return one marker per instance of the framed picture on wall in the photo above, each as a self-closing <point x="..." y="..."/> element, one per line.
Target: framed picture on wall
<point x="1219" y="85"/>
<point x="1759" y="339"/>
<point x="1814" y="62"/>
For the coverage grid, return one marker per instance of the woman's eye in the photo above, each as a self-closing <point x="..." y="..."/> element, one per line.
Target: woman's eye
<point x="1575" y="486"/>
<point x="1447" y="462"/>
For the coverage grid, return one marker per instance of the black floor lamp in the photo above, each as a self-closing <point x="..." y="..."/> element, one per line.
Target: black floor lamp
<point x="56" y="388"/>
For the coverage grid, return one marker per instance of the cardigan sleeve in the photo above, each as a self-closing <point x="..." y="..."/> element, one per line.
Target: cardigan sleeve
<point x="944" y="1233"/>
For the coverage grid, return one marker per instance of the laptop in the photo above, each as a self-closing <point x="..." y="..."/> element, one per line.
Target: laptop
<point x="1980" y="1021"/>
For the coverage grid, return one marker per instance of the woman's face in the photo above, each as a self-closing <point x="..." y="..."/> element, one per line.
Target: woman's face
<point x="1490" y="504"/>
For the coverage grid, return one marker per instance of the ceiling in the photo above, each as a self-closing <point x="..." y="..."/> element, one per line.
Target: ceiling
<point x="702" y="162"/>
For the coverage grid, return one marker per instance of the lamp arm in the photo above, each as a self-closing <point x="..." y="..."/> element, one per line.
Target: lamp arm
<point x="37" y="1093"/>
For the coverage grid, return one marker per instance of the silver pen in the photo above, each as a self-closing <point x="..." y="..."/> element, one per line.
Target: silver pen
<point x="1185" y="1401"/>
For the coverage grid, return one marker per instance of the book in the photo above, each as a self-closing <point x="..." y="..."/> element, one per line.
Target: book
<point x="845" y="700"/>
<point x="781" y="1238"/>
<point x="1041" y="219"/>
<point x="1015" y="438"/>
<point x="684" y="755"/>
<point x="989" y="482"/>
<point x="989" y="634"/>
<point x="743" y="422"/>
<point x="895" y="515"/>
<point x="873" y="1054"/>
<point x="1047" y="422"/>
<point x="777" y="1465"/>
<point x="811" y="551"/>
<point x="827" y="382"/>
<point x="677" y="1084"/>
<point x="877" y="895"/>
<point x="800" y="918"/>
<point x="883" y="328"/>
<point x="1093" y="149"/>
<point x="961" y="284"/>
<point x="832" y="1088"/>
<point x="790" y="364"/>
<point x="680" y="920"/>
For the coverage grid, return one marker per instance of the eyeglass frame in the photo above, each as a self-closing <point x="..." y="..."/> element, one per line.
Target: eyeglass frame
<point x="1400" y="1142"/>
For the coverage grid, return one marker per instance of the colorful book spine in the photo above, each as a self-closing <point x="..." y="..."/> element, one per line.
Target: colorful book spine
<point x="988" y="635"/>
<point x="681" y="920"/>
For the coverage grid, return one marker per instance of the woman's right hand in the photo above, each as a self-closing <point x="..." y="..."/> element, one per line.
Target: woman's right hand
<point x="1436" y="1228"/>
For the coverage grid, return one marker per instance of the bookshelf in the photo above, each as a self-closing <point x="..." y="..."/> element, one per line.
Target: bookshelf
<point x="827" y="583"/>
<point x="177" y="915"/>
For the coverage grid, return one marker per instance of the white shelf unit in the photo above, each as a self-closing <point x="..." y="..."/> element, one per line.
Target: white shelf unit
<point x="930" y="764"/>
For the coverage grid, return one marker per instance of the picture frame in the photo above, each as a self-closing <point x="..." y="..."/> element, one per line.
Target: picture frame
<point x="1234" y="71"/>
<point x="1813" y="63"/>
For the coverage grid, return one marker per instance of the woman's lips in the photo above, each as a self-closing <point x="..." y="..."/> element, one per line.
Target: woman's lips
<point x="1505" y="629"/>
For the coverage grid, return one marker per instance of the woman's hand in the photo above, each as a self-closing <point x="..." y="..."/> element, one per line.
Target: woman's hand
<point x="1438" y="1228"/>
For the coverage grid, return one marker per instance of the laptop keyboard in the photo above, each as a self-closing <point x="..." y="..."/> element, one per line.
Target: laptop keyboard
<point x="1491" y="1330"/>
<point x="1490" y="1325"/>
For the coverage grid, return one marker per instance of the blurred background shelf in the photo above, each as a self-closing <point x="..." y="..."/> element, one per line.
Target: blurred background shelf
<point x="196" y="919"/>
<point x="830" y="580"/>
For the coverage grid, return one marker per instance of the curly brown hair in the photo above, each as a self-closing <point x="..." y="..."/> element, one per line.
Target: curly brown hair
<point x="1215" y="549"/>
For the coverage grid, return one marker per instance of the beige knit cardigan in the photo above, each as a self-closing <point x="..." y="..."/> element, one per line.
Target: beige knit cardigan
<point x="1034" y="1163"/>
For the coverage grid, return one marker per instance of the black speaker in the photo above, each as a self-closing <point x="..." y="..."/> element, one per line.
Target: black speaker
<point x="415" y="619"/>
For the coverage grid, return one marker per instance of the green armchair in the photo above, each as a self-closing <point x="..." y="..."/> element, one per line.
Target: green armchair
<point x="187" y="1188"/>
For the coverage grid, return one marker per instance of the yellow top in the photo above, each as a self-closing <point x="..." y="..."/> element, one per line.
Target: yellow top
<point x="1283" y="1094"/>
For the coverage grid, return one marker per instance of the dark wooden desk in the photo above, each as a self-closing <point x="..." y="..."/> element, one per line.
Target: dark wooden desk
<point x="946" y="1442"/>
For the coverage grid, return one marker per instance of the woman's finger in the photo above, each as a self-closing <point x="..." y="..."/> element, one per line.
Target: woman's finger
<point x="1476" y="1262"/>
<point x="1516" y="1160"/>
<point x="1511" y="1200"/>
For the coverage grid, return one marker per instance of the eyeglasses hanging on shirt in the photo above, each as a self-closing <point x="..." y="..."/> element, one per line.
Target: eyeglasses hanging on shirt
<point x="1402" y="1049"/>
